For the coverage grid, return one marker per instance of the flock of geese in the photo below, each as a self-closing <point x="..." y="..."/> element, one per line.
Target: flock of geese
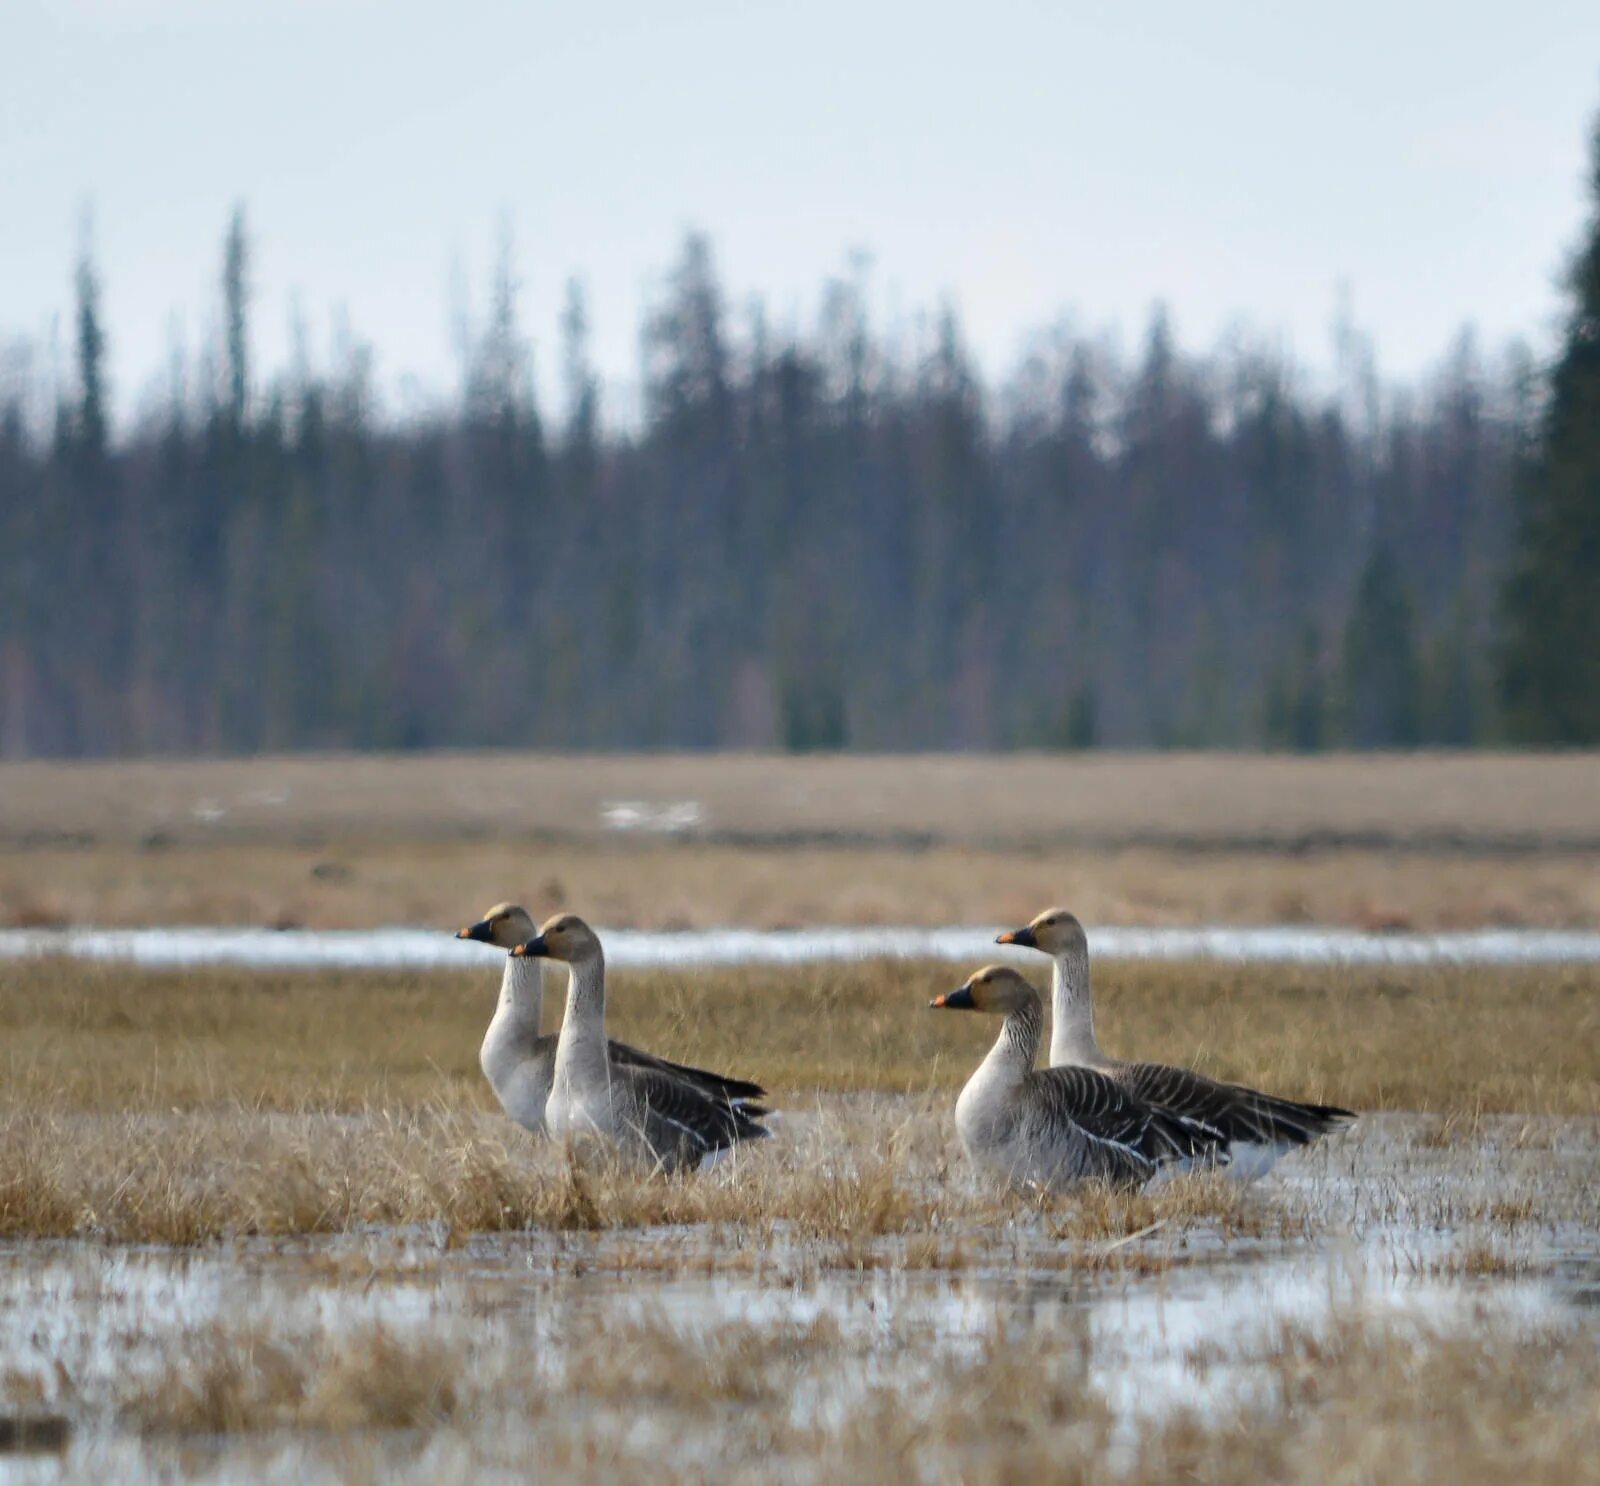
<point x="1087" y="1116"/>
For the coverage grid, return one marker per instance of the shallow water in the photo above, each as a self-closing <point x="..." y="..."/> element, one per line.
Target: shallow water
<point x="415" y="948"/>
<point x="1377" y="1224"/>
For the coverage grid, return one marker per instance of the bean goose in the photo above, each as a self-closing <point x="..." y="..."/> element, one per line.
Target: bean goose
<point x="1056" y="1126"/>
<point x="647" y="1109"/>
<point x="520" y="1063"/>
<point x="1259" y="1128"/>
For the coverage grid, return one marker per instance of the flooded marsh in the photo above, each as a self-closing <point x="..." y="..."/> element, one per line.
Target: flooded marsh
<point x="265" y="1225"/>
<point x="788" y="1321"/>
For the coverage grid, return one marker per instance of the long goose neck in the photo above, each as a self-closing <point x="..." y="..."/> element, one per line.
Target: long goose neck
<point x="583" y="1026"/>
<point x="1017" y="1045"/>
<point x="521" y="994"/>
<point x="1072" y="1012"/>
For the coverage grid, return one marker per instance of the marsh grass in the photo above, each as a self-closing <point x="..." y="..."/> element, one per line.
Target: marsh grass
<point x="220" y="1381"/>
<point x="1362" y="1396"/>
<point x="859" y="1185"/>
<point x="707" y="1328"/>
<point x="180" y="1107"/>
<point x="223" y="1380"/>
<point x="1361" y="1399"/>
<point x="1453" y="1041"/>
<point x="367" y="883"/>
<point x="1401" y="1401"/>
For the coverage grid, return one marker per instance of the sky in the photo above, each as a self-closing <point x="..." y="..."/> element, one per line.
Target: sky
<point x="1247" y="164"/>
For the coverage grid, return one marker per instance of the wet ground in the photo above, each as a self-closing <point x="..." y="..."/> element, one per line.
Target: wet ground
<point x="738" y="1343"/>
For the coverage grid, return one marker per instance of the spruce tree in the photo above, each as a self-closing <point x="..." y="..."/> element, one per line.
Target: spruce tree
<point x="1380" y="658"/>
<point x="236" y="319"/>
<point x="92" y="420"/>
<point x="1550" y="652"/>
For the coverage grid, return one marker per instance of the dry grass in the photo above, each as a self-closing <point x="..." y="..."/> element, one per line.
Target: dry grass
<point x="183" y="1106"/>
<point x="84" y="1036"/>
<point x="222" y="1382"/>
<point x="1400" y="1402"/>
<point x="860" y="1186"/>
<point x="650" y="1364"/>
<point x="364" y="883"/>
<point x="1362" y="1400"/>
<point x="1435" y="800"/>
<point x="1422" y="841"/>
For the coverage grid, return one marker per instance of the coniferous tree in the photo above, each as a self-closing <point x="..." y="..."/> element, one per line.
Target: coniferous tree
<point x="236" y="320"/>
<point x="92" y="643"/>
<point x="1550" y="660"/>
<point x="1380" y="658"/>
<point x="834" y="539"/>
<point x="1296" y="706"/>
<point x="582" y="386"/>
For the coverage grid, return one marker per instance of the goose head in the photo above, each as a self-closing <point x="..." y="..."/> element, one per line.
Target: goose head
<point x="1054" y="932"/>
<point x="565" y="937"/>
<point x="995" y="988"/>
<point x="504" y="926"/>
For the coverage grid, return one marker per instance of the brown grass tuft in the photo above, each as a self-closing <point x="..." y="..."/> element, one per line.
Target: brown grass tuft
<point x="232" y="1383"/>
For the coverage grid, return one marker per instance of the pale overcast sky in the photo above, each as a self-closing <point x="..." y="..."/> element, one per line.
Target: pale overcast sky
<point x="1024" y="160"/>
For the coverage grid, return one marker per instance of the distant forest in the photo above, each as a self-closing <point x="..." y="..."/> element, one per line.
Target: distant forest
<point x="840" y="538"/>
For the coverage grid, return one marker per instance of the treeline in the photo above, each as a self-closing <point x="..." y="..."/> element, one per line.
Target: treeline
<point x="836" y="539"/>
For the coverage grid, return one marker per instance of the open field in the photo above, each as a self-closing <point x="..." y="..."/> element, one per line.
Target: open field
<point x="1202" y="800"/>
<point x="95" y="1037"/>
<point x="269" y="1225"/>
<point x="1422" y="842"/>
<point x="689" y="885"/>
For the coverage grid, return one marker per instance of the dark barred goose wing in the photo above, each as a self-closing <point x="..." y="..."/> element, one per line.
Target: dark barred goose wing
<point x="738" y="1091"/>
<point x="1236" y="1113"/>
<point x="679" y="1121"/>
<point x="1126" y="1137"/>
